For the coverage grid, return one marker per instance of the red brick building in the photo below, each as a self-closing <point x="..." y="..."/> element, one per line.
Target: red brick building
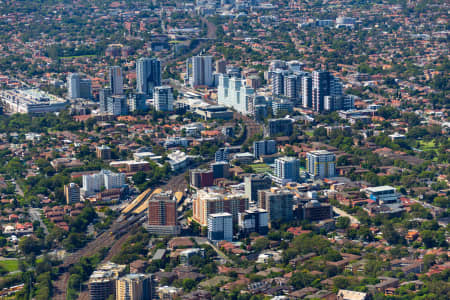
<point x="201" y="178"/>
<point x="162" y="214"/>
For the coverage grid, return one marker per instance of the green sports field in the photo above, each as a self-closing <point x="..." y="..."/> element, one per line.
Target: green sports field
<point x="10" y="265"/>
<point x="261" y="168"/>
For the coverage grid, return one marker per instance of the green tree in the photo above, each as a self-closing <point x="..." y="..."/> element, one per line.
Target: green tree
<point x="188" y="284"/>
<point x="341" y="282"/>
<point x="260" y="244"/>
<point x="307" y="243"/>
<point x="428" y="238"/>
<point x="342" y="222"/>
<point x="139" y="177"/>
<point x="391" y="235"/>
<point x="301" y="279"/>
<point x="30" y="245"/>
<point x="428" y="261"/>
<point x="75" y="281"/>
<point x="320" y="132"/>
<point x="333" y="255"/>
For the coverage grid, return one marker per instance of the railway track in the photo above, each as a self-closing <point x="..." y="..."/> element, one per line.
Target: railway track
<point x="115" y="249"/>
<point x="113" y="238"/>
<point x="252" y="126"/>
<point x="119" y="231"/>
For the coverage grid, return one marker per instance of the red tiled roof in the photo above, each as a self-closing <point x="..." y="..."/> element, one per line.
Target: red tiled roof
<point x="297" y="231"/>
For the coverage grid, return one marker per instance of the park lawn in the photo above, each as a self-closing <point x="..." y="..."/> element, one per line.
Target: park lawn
<point x="10" y="265"/>
<point x="427" y="146"/>
<point x="210" y="283"/>
<point x="13" y="265"/>
<point x="309" y="133"/>
<point x="261" y="168"/>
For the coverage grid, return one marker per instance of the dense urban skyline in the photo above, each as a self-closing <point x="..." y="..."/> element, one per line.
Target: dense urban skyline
<point x="232" y="149"/>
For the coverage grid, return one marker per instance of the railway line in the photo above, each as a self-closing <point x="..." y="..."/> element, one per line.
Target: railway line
<point x="121" y="229"/>
<point x="113" y="238"/>
<point x="252" y="126"/>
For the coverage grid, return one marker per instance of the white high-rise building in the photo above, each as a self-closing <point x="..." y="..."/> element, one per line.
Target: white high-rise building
<point x="113" y="180"/>
<point x="78" y="87"/>
<point x="163" y="98"/>
<point x="337" y="100"/>
<point x="348" y="102"/>
<point x="277" y="80"/>
<point x="293" y="87"/>
<point x="264" y="147"/>
<point x="103" y="96"/>
<point x="85" y="88"/>
<point x="321" y="82"/>
<point x="137" y="102"/>
<point x="95" y="182"/>
<point x="200" y="71"/>
<point x="73" y="85"/>
<point x="307" y="91"/>
<point x="220" y="227"/>
<point x="232" y="92"/>
<point x="332" y="103"/>
<point x="116" y="80"/>
<point x="254" y="220"/>
<point x="117" y="105"/>
<point x="336" y="87"/>
<point x="148" y="75"/>
<point x="321" y="164"/>
<point x="92" y="183"/>
<point x="287" y="169"/>
<point x="278" y="203"/>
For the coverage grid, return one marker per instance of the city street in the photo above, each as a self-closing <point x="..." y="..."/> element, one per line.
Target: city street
<point x="35" y="214"/>
<point x="342" y="213"/>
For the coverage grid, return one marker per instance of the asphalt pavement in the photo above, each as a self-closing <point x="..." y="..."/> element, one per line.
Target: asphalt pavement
<point x="340" y="212"/>
<point x="35" y="215"/>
